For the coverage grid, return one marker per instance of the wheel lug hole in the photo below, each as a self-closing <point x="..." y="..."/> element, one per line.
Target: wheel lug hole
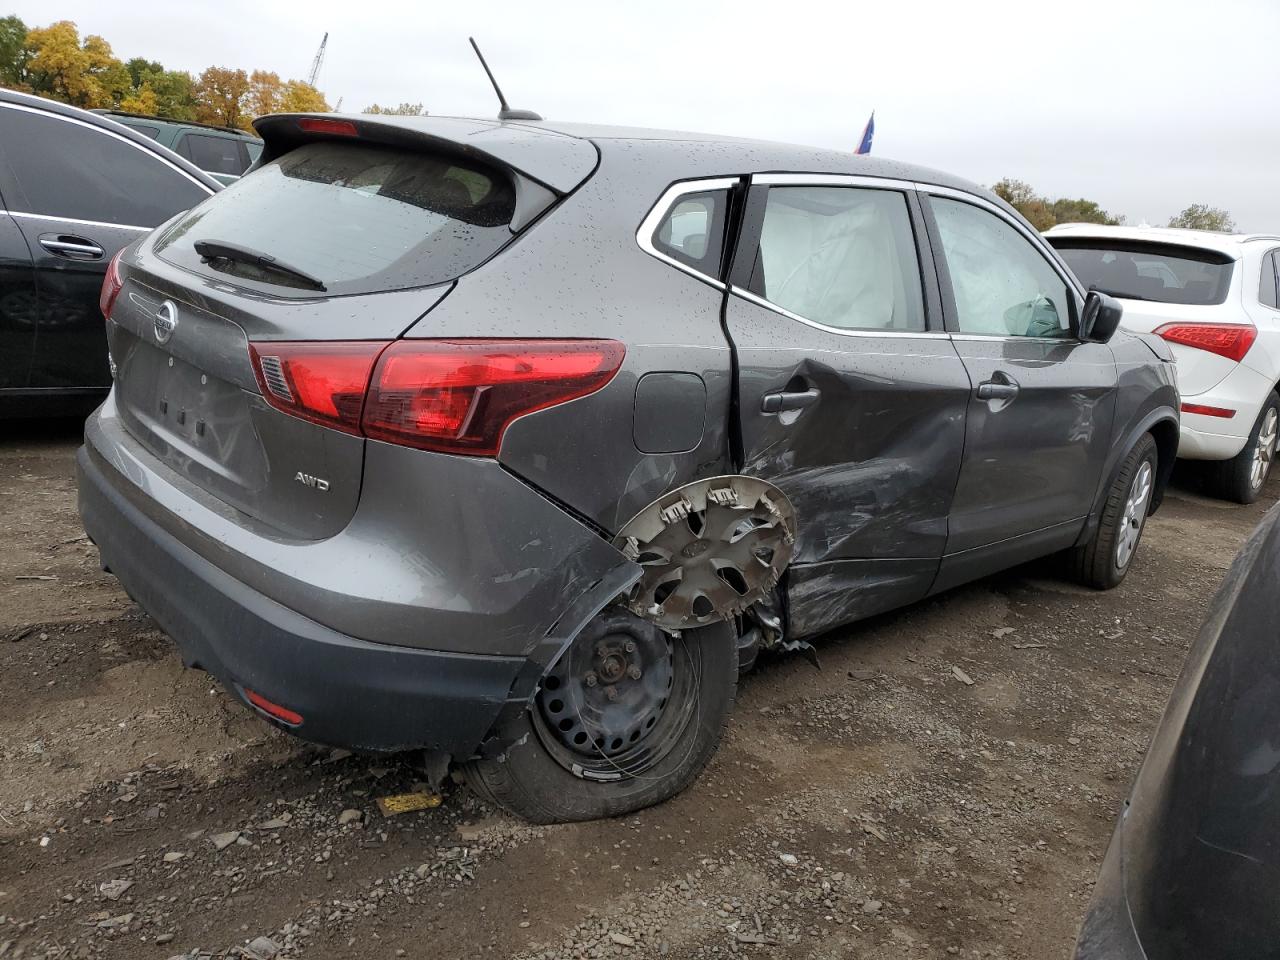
<point x="611" y="692"/>
<point x="633" y="672"/>
<point x="630" y="647"/>
<point x="591" y="679"/>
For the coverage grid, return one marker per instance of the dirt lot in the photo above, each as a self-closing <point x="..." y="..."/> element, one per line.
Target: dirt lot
<point x="878" y="808"/>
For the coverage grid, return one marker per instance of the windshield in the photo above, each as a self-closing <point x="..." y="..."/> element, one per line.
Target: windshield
<point x="1161" y="272"/>
<point x="358" y="218"/>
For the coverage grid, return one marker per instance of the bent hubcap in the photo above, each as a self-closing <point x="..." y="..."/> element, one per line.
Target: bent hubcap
<point x="617" y="699"/>
<point x="1265" y="450"/>
<point x="1135" y="515"/>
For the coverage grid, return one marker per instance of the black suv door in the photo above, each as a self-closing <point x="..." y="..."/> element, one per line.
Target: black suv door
<point x="1043" y="400"/>
<point x="851" y="396"/>
<point x="17" y="304"/>
<point x="79" y="193"/>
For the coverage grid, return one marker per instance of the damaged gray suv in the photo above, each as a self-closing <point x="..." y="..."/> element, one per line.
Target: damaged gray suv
<point x="515" y="441"/>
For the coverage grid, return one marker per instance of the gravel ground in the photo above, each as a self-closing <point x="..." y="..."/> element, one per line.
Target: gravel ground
<point x="880" y="807"/>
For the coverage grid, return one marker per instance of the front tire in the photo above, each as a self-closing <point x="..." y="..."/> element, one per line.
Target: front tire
<point x="1105" y="559"/>
<point x="627" y="717"/>
<point x="1243" y="476"/>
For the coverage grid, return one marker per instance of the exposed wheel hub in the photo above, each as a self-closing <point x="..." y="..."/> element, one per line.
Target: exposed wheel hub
<point x="611" y="700"/>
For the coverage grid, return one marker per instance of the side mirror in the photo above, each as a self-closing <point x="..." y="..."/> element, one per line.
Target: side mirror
<point x="1100" y="318"/>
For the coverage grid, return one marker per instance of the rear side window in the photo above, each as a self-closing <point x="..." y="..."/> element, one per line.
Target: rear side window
<point x="214" y="154"/>
<point x="693" y="231"/>
<point x="357" y="217"/>
<point x="1267" y="293"/>
<point x="147" y="131"/>
<point x="57" y="167"/>
<point x="1140" y="270"/>
<point x="843" y="257"/>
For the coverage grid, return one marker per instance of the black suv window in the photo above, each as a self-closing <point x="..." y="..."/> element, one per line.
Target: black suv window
<point x="693" y="231"/>
<point x="356" y="217"/>
<point x="57" y="167"/>
<point x="1267" y="285"/>
<point x="212" y="153"/>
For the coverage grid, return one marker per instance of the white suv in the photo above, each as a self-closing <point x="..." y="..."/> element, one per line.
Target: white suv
<point x="1213" y="297"/>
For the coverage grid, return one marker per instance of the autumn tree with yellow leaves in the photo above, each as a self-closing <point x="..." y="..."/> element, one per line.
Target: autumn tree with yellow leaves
<point x="55" y="62"/>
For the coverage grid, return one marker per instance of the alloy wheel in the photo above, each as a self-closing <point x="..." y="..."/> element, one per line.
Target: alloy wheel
<point x="1265" y="449"/>
<point x="1135" y="514"/>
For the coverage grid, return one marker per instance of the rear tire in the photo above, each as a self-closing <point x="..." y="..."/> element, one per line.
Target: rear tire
<point x="536" y="779"/>
<point x="1243" y="477"/>
<point x="1105" y="559"/>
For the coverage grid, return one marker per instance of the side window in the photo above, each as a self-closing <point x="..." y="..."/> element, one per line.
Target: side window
<point x="1003" y="285"/>
<point x="214" y="154"/>
<point x="146" y="130"/>
<point x="693" y="231"/>
<point x="1267" y="286"/>
<point x="844" y="257"/>
<point x="59" y="168"/>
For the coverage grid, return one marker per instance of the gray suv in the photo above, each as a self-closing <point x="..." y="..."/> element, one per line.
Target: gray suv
<point x="516" y="441"/>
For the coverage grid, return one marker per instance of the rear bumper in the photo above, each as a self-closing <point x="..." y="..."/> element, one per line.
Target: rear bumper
<point x="1221" y="438"/>
<point x="350" y="692"/>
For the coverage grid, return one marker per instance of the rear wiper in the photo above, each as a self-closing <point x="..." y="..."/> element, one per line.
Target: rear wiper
<point x="222" y="250"/>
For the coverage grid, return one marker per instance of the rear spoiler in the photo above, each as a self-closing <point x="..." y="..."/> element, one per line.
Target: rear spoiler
<point x="555" y="160"/>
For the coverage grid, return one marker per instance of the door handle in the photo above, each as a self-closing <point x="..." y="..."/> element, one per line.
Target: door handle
<point x="73" y="248"/>
<point x="1005" y="388"/>
<point x="788" y="400"/>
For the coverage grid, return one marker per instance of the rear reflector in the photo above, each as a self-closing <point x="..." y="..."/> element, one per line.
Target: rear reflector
<point x="273" y="709"/>
<point x="111" y="286"/>
<point x="1230" y="340"/>
<point x="321" y="382"/>
<point x="337" y="128"/>
<point x="452" y="396"/>
<point x="1204" y="411"/>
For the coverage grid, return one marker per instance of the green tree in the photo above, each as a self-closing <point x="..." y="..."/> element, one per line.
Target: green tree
<point x="1201" y="216"/>
<point x="404" y="110"/>
<point x="1065" y="210"/>
<point x="1019" y="195"/>
<point x="13" y="53"/>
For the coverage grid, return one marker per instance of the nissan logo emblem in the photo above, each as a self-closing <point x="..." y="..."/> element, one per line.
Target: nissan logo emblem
<point x="166" y="321"/>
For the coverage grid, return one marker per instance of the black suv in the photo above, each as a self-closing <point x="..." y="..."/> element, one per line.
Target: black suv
<point x="224" y="153"/>
<point x="75" y="188"/>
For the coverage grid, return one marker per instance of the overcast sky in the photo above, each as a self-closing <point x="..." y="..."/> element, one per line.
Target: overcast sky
<point x="1145" y="107"/>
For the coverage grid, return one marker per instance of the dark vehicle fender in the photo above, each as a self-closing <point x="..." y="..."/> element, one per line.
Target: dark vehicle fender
<point x="1146" y="402"/>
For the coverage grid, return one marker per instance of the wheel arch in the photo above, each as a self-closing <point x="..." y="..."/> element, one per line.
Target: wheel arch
<point x="1162" y="423"/>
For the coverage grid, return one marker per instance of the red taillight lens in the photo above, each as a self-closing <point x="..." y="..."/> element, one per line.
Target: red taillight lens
<point x="453" y="396"/>
<point x="321" y="382"/>
<point x="1230" y="340"/>
<point x="458" y="396"/>
<point x="337" y="128"/>
<point x="111" y="286"/>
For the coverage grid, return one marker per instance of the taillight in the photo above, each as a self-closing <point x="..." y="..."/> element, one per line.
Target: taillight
<point x="1230" y="340"/>
<point x="458" y="396"/>
<point x="337" y="128"/>
<point x="321" y="382"/>
<point x="452" y="396"/>
<point x="111" y="286"/>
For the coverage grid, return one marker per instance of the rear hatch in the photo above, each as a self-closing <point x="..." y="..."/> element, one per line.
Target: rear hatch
<point x="345" y="234"/>
<point x="1161" y="284"/>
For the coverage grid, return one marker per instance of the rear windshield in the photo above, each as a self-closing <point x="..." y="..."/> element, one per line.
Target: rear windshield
<point x="356" y="218"/>
<point x="1163" y="273"/>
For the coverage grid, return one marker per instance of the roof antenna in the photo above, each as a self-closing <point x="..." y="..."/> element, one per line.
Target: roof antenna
<point x="505" y="113"/>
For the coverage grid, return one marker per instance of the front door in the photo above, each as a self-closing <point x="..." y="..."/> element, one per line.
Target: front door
<point x="79" y="193"/>
<point x="851" y="397"/>
<point x="1042" y="400"/>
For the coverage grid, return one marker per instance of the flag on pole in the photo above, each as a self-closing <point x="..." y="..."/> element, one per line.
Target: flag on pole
<point x="867" y="134"/>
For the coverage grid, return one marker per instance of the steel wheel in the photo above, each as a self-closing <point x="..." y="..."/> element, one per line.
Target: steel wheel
<point x="1135" y="514"/>
<point x="618" y="699"/>
<point x="1265" y="449"/>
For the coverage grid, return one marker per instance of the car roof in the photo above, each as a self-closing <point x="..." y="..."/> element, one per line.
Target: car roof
<point x="171" y="122"/>
<point x="111" y="126"/>
<point x="1227" y="243"/>
<point x="730" y="154"/>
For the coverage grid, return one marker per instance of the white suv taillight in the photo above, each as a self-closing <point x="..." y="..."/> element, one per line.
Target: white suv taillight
<point x="1230" y="340"/>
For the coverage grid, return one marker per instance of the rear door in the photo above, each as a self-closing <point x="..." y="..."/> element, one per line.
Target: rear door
<point x="220" y="156"/>
<point x="851" y="397"/>
<point x="1042" y="401"/>
<point x="18" y="308"/>
<point x="79" y="193"/>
